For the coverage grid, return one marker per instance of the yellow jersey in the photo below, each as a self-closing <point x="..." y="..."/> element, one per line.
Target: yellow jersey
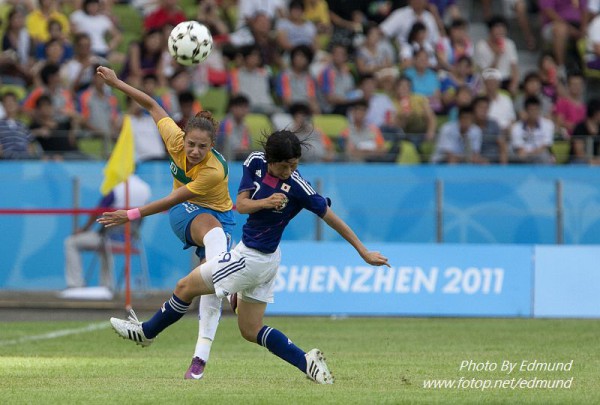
<point x="208" y="179"/>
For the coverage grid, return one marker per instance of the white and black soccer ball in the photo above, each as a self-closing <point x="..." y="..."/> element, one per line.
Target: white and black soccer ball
<point x="190" y="43"/>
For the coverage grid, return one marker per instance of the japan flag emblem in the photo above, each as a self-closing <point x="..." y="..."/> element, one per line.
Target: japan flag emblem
<point x="285" y="187"/>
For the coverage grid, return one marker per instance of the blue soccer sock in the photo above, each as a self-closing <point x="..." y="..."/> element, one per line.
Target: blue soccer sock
<point x="171" y="311"/>
<point x="282" y="347"/>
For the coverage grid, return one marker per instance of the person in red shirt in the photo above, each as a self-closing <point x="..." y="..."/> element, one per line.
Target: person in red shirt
<point x="168" y="13"/>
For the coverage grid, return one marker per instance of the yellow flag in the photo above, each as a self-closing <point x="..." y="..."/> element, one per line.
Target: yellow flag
<point x="121" y="163"/>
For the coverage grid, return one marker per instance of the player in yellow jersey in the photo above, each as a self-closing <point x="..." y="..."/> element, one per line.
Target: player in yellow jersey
<point x="200" y="208"/>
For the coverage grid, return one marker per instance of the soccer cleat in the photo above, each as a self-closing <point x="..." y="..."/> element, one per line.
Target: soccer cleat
<point x="233" y="302"/>
<point x="131" y="329"/>
<point x="196" y="369"/>
<point x="316" y="368"/>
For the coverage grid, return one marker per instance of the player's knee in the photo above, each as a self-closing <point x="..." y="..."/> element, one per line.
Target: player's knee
<point x="182" y="289"/>
<point x="249" y="332"/>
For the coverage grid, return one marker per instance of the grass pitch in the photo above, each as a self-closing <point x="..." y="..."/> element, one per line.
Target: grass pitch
<point x="375" y="360"/>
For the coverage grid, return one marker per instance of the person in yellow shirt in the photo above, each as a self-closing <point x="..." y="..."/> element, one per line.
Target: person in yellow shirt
<point x="317" y="12"/>
<point x="37" y="21"/>
<point x="200" y="208"/>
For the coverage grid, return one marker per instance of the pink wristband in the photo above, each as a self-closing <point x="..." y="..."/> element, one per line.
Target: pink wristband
<point x="134" y="214"/>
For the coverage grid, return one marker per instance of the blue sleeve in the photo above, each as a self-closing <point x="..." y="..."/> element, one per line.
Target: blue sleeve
<point x="309" y="199"/>
<point x="247" y="182"/>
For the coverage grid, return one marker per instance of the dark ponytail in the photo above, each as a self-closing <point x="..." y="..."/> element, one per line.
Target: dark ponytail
<point x="203" y="121"/>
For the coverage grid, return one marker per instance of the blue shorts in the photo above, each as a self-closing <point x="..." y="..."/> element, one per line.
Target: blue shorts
<point x="182" y="215"/>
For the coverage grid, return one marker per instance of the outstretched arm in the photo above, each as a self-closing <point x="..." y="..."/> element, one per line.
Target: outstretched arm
<point x="119" y="217"/>
<point x="147" y="102"/>
<point x="335" y="222"/>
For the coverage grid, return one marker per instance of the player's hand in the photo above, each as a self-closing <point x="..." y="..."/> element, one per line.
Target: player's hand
<point x="376" y="259"/>
<point x="276" y="201"/>
<point x="109" y="75"/>
<point x="114" y="218"/>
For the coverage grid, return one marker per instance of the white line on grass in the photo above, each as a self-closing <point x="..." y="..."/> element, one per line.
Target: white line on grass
<point x="56" y="334"/>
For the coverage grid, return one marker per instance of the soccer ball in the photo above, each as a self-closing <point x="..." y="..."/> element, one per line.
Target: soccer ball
<point x="190" y="43"/>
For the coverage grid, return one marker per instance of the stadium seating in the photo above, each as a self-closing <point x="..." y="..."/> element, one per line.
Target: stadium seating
<point x="408" y="154"/>
<point x="258" y="125"/>
<point x="561" y="151"/>
<point x="331" y="124"/>
<point x="215" y="100"/>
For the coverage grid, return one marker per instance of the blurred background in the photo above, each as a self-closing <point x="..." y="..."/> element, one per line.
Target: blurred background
<point x="458" y="137"/>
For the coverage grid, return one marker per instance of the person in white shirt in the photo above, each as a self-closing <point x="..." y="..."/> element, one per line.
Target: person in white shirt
<point x="89" y="20"/>
<point x="531" y="138"/>
<point x="459" y="141"/>
<point x="499" y="52"/>
<point x="501" y="106"/>
<point x="399" y="23"/>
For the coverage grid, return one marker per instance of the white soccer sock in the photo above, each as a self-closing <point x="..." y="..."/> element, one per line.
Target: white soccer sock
<point x="209" y="310"/>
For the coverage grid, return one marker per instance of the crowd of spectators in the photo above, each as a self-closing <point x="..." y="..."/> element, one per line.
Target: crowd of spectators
<point x="398" y="71"/>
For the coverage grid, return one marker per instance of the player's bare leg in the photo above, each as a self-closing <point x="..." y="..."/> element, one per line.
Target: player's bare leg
<point x="250" y="322"/>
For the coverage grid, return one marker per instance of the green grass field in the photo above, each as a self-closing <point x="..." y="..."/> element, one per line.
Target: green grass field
<point x="375" y="360"/>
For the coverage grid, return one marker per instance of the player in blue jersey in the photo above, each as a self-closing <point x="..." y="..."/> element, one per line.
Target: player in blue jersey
<point x="273" y="192"/>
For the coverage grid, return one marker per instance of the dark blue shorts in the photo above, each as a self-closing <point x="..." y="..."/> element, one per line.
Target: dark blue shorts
<point x="182" y="215"/>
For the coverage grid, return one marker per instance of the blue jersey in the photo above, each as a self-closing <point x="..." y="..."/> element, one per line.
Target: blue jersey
<point x="264" y="228"/>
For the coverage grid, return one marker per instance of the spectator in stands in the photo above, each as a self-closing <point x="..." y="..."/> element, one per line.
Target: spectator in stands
<point x="451" y="49"/>
<point x="56" y="33"/>
<point x="247" y="9"/>
<point x="78" y="73"/>
<point x="563" y="21"/>
<point x="169" y="12"/>
<point x="295" y="84"/>
<point x="234" y="140"/>
<point x="443" y="10"/>
<point x="87" y="239"/>
<point x="189" y="107"/>
<point x="501" y="108"/>
<point x="463" y="97"/>
<point x="37" y="21"/>
<point x="459" y="141"/>
<point x="381" y="110"/>
<point x="336" y="82"/>
<point x="499" y="52"/>
<point x="16" y="38"/>
<point x="400" y="22"/>
<point x="53" y="55"/>
<point x="258" y="32"/>
<point x="532" y="87"/>
<point x="317" y="12"/>
<point x="570" y="109"/>
<point x="62" y="99"/>
<point x="347" y="19"/>
<point x="519" y="8"/>
<point x="209" y="14"/>
<point x="145" y="57"/>
<point x="531" y="138"/>
<point x="425" y="80"/>
<point x="362" y="141"/>
<point x="375" y="53"/>
<point x="461" y="76"/>
<point x="592" y="56"/>
<point x="15" y="138"/>
<point x="321" y="148"/>
<point x="295" y="30"/>
<point x="57" y="138"/>
<point x="147" y="140"/>
<point x="586" y="135"/>
<point x="417" y="42"/>
<point x="98" y="26"/>
<point x="548" y="70"/>
<point x="493" y="144"/>
<point x="99" y="110"/>
<point x="253" y="80"/>
<point x="413" y="113"/>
